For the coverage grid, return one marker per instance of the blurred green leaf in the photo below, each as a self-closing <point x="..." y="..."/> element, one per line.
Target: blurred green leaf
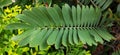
<point x="118" y="10"/>
<point x="1" y="12"/>
<point x="5" y="3"/>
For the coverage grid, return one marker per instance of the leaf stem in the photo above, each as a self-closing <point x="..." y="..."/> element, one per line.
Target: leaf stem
<point x="93" y="3"/>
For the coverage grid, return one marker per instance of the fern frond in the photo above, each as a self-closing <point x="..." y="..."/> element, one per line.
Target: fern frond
<point x="103" y="4"/>
<point x="66" y="26"/>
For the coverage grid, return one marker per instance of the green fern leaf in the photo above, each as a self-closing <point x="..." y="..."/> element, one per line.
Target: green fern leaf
<point x="66" y="26"/>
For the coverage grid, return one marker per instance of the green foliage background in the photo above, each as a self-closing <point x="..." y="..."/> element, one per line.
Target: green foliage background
<point x="8" y="12"/>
